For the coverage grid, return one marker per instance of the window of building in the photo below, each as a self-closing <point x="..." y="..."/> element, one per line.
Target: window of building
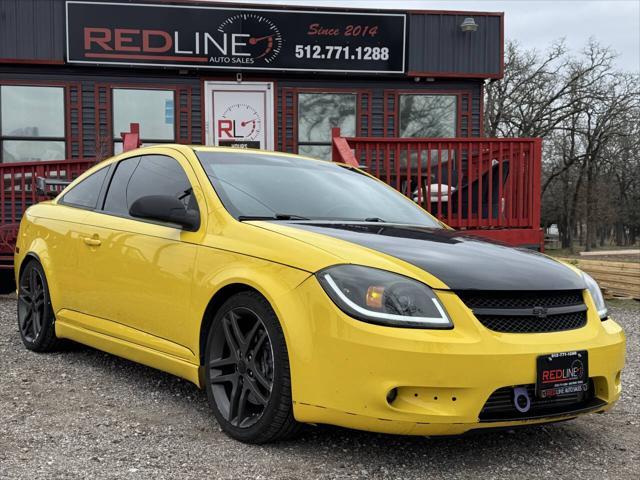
<point x="85" y="194"/>
<point x="428" y="116"/>
<point x="318" y="113"/>
<point x="32" y="123"/>
<point x="154" y="110"/>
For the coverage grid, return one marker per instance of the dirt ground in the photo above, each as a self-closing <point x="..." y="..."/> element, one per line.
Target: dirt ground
<point x="80" y="413"/>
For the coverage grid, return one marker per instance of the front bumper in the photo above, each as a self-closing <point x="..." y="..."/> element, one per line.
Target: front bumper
<point x="342" y="369"/>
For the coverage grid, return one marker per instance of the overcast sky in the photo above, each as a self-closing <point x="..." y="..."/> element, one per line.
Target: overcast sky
<point x="535" y="24"/>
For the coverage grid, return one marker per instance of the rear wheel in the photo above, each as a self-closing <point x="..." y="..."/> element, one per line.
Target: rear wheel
<point x="35" y="315"/>
<point x="247" y="371"/>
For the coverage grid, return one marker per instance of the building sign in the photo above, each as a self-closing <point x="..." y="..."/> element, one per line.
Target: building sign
<point x="236" y="39"/>
<point x="239" y="119"/>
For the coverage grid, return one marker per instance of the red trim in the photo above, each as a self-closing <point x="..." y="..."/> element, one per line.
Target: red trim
<point x="262" y="6"/>
<point x="481" y="132"/>
<point x="124" y="56"/>
<point x="501" y="45"/>
<point x="457" y="12"/>
<point x="275" y="114"/>
<point x="444" y="139"/>
<point x="105" y="107"/>
<point x="33" y="61"/>
<point x="203" y="115"/>
<point x="413" y="73"/>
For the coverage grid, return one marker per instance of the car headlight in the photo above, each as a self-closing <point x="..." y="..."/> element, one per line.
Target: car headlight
<point x="384" y="298"/>
<point x="596" y="294"/>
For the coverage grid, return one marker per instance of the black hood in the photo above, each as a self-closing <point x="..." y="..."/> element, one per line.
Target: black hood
<point x="461" y="261"/>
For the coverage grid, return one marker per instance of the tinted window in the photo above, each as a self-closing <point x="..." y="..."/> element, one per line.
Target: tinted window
<point x="147" y="175"/>
<point x="260" y="184"/>
<point x="85" y="194"/>
<point x="116" y="199"/>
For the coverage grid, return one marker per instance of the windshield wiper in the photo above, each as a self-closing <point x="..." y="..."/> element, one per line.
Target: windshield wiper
<point x="375" y="219"/>
<point x="275" y="216"/>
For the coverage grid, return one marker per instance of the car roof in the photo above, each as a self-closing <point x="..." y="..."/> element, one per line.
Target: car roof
<point x="205" y="148"/>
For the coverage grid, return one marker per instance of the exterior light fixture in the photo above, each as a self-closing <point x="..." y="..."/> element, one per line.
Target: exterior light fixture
<point x="469" y="25"/>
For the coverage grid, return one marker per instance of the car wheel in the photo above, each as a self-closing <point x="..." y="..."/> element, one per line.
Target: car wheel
<point x="247" y="371"/>
<point x="35" y="314"/>
<point x="7" y="281"/>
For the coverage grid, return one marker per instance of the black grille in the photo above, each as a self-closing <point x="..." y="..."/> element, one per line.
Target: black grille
<point x="511" y="299"/>
<point x="531" y="324"/>
<point x="527" y="312"/>
<point x="499" y="407"/>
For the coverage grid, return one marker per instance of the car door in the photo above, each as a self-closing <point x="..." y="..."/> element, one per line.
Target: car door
<point x="139" y="273"/>
<point x="65" y="233"/>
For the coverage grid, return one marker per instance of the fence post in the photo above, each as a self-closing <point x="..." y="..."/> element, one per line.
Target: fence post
<point x="131" y="139"/>
<point x="335" y="154"/>
<point x="537" y="178"/>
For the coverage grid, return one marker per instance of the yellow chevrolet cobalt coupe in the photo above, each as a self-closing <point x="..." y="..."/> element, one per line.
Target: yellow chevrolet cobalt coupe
<point x="299" y="291"/>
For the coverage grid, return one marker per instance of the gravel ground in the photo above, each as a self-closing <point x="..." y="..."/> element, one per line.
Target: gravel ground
<point x="80" y="413"/>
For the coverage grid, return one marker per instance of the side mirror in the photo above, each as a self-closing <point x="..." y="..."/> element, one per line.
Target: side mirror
<point x="165" y="208"/>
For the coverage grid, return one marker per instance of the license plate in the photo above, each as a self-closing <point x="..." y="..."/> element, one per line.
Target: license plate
<point x="562" y="373"/>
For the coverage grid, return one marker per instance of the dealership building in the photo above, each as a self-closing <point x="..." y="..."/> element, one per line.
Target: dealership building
<point x="75" y="74"/>
<point x="397" y="92"/>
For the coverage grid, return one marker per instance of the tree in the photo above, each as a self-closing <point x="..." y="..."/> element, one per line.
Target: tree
<point x="588" y="114"/>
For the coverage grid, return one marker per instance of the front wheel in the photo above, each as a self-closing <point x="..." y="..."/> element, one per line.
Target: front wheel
<point x="247" y="371"/>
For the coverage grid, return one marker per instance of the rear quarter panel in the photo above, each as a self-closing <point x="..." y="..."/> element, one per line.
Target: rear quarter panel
<point x="50" y="233"/>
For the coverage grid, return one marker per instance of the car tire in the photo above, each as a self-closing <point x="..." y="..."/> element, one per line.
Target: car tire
<point x="7" y="282"/>
<point x="247" y="375"/>
<point x="35" y="314"/>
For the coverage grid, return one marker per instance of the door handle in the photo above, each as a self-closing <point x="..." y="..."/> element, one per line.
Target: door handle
<point x="92" y="242"/>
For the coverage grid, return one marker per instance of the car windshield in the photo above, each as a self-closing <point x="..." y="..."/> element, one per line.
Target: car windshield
<point x="260" y="185"/>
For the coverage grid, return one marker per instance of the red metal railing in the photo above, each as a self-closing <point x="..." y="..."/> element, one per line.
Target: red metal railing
<point x="18" y="192"/>
<point x="470" y="183"/>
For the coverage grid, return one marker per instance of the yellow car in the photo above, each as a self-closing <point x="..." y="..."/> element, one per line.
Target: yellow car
<point x="299" y="291"/>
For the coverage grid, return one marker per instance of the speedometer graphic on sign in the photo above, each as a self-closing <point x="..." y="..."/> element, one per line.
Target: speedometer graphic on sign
<point x="264" y="40"/>
<point x="240" y="121"/>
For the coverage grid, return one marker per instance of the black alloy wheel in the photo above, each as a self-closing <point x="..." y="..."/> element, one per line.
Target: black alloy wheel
<point x="241" y="368"/>
<point x="247" y="371"/>
<point x="35" y="315"/>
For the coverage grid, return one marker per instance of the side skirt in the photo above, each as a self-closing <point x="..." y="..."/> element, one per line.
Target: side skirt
<point x="69" y="327"/>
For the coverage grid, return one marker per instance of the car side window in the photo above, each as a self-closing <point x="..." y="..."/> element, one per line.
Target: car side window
<point x="147" y="175"/>
<point x="116" y="198"/>
<point x="85" y="194"/>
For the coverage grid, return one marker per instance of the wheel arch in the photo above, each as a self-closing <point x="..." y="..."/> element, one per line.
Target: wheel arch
<point x="216" y="301"/>
<point x="38" y="251"/>
<point x="27" y="258"/>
